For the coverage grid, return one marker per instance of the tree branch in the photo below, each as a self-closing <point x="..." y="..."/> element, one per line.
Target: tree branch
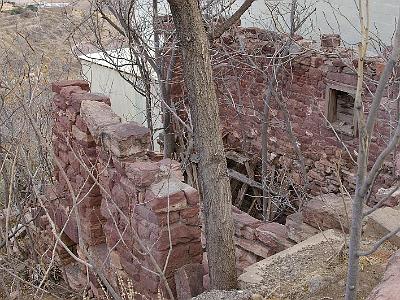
<point x="216" y="33"/>
<point x="380" y="242"/>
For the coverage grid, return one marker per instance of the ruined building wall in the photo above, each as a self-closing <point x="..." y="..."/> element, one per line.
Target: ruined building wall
<point x="125" y="223"/>
<point x="242" y="64"/>
<point x="128" y="199"/>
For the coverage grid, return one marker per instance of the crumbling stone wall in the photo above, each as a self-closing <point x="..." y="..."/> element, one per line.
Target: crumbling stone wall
<point x="132" y="207"/>
<point x="134" y="213"/>
<point x="242" y="62"/>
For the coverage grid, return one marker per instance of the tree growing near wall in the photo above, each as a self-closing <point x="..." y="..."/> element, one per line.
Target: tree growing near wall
<point x="213" y="174"/>
<point x="366" y="178"/>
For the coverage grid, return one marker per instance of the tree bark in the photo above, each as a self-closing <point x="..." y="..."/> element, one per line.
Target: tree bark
<point x="212" y="168"/>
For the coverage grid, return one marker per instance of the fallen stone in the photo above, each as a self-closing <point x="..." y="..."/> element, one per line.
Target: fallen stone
<point x="224" y="295"/>
<point x="392" y="201"/>
<point x="293" y="266"/>
<point x="297" y="230"/>
<point x="274" y="236"/>
<point x="383" y="221"/>
<point x="389" y="288"/>
<point x="189" y="281"/>
<point x="254" y="247"/>
<point x="328" y="211"/>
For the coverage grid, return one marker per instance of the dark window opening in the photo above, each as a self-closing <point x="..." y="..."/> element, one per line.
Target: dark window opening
<point x="340" y="112"/>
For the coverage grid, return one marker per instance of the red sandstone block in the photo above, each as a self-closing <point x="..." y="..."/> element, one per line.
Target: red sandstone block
<point x="88" y="202"/>
<point x="76" y="99"/>
<point x="330" y="40"/>
<point x="243" y="219"/>
<point x="67" y="91"/>
<point x="195" y="249"/>
<point x="129" y="189"/>
<point x="316" y="61"/>
<point x="189" y="281"/>
<point x="189" y="212"/>
<point x="142" y="173"/>
<point x="91" y="215"/>
<point x="81" y="136"/>
<point x="58" y="85"/>
<point x="64" y="122"/>
<point x="343" y="78"/>
<point x="60" y="102"/>
<point x="192" y="195"/>
<point x="126" y="140"/>
<point x="160" y="219"/>
<point x="170" y="168"/>
<point x="163" y="202"/>
<point x="81" y="124"/>
<point x="177" y="257"/>
<point x="273" y="235"/>
<point x="119" y="197"/>
<point x="180" y="234"/>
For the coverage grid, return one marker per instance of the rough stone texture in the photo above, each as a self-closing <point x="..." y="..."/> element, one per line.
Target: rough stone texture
<point x="391" y="201"/>
<point x="286" y="268"/>
<point x="96" y="116"/>
<point x="389" y="288"/>
<point x="383" y="221"/>
<point x="299" y="231"/>
<point x="141" y="197"/>
<point x="241" y="88"/>
<point x="189" y="281"/>
<point x="225" y="295"/>
<point x="328" y="211"/>
<point x="256" y="240"/>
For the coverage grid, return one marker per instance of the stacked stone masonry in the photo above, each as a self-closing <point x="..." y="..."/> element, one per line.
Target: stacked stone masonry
<point x="121" y="203"/>
<point x="242" y="66"/>
<point x="134" y="212"/>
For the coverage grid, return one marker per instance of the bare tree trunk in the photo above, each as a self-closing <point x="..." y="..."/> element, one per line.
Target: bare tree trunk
<point x="366" y="179"/>
<point x="213" y="174"/>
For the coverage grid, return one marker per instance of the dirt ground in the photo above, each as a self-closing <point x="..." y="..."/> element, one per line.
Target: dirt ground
<point x="327" y="281"/>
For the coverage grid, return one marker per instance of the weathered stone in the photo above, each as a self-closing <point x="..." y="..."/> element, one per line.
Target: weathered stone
<point x="175" y="234"/>
<point x="383" y="221"/>
<point x="297" y="230"/>
<point x="189" y="281"/>
<point x="96" y="116"/>
<point x="242" y="219"/>
<point x="391" y="201"/>
<point x="57" y="86"/>
<point x="252" y="247"/>
<point x="170" y="168"/>
<point x="274" y="236"/>
<point x="389" y="288"/>
<point x="254" y="275"/>
<point x="328" y="211"/>
<point x="142" y="173"/>
<point x="126" y="140"/>
<point x="166" y="195"/>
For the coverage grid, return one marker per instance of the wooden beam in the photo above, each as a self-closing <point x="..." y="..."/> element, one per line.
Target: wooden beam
<point x="244" y="179"/>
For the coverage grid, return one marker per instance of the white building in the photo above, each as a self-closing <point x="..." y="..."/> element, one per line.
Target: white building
<point x="107" y="74"/>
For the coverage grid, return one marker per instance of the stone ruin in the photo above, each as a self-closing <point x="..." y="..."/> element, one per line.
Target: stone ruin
<point x="130" y="209"/>
<point x="318" y="87"/>
<point x="125" y="224"/>
<point x="127" y="199"/>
